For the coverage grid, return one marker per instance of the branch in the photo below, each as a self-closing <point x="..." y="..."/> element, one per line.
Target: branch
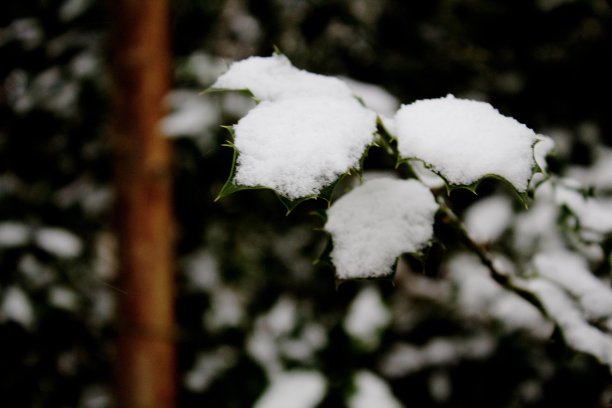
<point x="485" y="257"/>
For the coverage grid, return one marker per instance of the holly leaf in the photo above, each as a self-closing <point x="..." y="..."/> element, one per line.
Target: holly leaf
<point x="465" y="141"/>
<point x="375" y="223"/>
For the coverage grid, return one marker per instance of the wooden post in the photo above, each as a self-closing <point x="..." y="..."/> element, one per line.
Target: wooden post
<point x="145" y="360"/>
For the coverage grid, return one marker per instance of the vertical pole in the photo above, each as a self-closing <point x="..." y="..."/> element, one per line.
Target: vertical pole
<point x="145" y="361"/>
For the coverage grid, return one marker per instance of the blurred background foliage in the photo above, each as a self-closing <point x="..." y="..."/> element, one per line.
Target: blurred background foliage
<point x="251" y="307"/>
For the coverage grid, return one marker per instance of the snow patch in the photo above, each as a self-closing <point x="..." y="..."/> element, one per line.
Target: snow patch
<point x="293" y="389"/>
<point x="17" y="307"/>
<point x="571" y="272"/>
<point x="273" y="78"/>
<point x="487" y="219"/>
<point x="372" y="391"/>
<point x="576" y="331"/>
<point x="208" y="367"/>
<point x="377" y="222"/>
<point x="299" y="146"/>
<point x="13" y="234"/>
<point x="374" y="97"/>
<point x="58" y="242"/>
<point x="404" y="359"/>
<point x="191" y="114"/>
<point x="367" y="317"/>
<point x="466" y="140"/>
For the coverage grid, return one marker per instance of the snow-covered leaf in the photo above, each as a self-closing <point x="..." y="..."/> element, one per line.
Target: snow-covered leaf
<point x="570" y="272"/>
<point x="273" y="78"/>
<point x="59" y="242"/>
<point x="377" y="222"/>
<point x="16" y="305"/>
<point x="13" y="234"/>
<point x="293" y="389"/>
<point x="367" y="317"/>
<point x="593" y="214"/>
<point x="487" y="219"/>
<point x="298" y="147"/>
<point x="372" y="391"/>
<point x="577" y="332"/>
<point x="465" y="141"/>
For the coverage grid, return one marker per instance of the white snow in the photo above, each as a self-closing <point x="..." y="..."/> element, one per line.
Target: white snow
<point x="27" y="31"/>
<point x="208" y="367"/>
<point x="13" y="234"/>
<point x="302" y="348"/>
<point x="479" y="296"/>
<point x="273" y="78"/>
<point x="268" y="332"/>
<point x="203" y="67"/>
<point x="38" y="274"/>
<point x="202" y="271"/>
<point x="58" y="242"/>
<point x="488" y="218"/>
<point x="597" y="175"/>
<point x="73" y="8"/>
<point x="543" y="148"/>
<point x="298" y="146"/>
<point x="594" y="214"/>
<point x="226" y="309"/>
<point x="191" y="114"/>
<point x="466" y="140"/>
<point x="426" y="176"/>
<point x="571" y="272"/>
<point x="536" y="228"/>
<point x="374" y="97"/>
<point x="576" y="331"/>
<point x="403" y="358"/>
<point x="367" y="317"/>
<point x="16" y="306"/>
<point x="376" y="222"/>
<point x="372" y="391"/>
<point x="63" y="297"/>
<point x="293" y="389"/>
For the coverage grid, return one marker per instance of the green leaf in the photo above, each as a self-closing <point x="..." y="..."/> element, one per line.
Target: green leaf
<point x="230" y="187"/>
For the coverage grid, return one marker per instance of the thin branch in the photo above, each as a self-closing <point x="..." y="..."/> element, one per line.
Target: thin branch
<point x="485" y="257"/>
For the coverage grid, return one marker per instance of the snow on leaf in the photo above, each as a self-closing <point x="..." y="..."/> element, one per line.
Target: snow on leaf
<point x="577" y="332"/>
<point x="374" y="97"/>
<point x="593" y="213"/>
<point x="59" y="242"/>
<point x="299" y="146"/>
<point x="376" y="222"/>
<point x="487" y="219"/>
<point x="16" y="306"/>
<point x="571" y="272"/>
<point x="403" y="358"/>
<point x="367" y="317"/>
<point x="465" y="141"/>
<point x="13" y="234"/>
<point x="273" y="78"/>
<point x="372" y="391"/>
<point x="293" y="389"/>
<point x="598" y="174"/>
<point x="192" y="115"/>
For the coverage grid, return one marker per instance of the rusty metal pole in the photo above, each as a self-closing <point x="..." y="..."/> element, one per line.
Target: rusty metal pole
<point x="145" y="359"/>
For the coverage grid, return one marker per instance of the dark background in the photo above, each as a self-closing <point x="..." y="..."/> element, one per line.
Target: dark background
<point x="547" y="63"/>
